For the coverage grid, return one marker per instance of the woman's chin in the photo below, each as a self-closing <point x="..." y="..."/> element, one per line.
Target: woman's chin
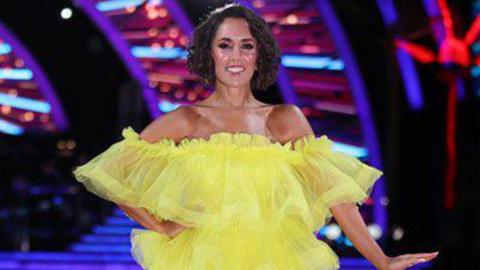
<point x="236" y="84"/>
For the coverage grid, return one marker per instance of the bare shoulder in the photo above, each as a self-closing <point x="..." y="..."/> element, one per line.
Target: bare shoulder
<point x="287" y="122"/>
<point x="174" y="125"/>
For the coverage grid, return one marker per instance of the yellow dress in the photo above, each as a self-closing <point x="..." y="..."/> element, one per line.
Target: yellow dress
<point x="253" y="204"/>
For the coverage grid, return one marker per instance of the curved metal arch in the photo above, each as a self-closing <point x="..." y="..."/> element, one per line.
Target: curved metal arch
<point x="123" y="50"/>
<point x="39" y="77"/>
<point x="360" y="96"/>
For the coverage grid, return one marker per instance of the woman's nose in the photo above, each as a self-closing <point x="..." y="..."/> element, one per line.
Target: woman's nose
<point x="236" y="52"/>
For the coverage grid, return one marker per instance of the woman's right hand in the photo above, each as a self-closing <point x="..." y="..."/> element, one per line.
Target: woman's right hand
<point x="408" y="260"/>
<point x="171" y="228"/>
<point x="147" y="220"/>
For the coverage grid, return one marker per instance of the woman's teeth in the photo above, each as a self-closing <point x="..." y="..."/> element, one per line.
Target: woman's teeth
<point x="235" y="69"/>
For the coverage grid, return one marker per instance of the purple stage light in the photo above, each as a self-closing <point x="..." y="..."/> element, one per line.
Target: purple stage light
<point x="406" y="64"/>
<point x="360" y="97"/>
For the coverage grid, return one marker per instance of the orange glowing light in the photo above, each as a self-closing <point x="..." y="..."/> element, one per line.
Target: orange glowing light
<point x="13" y="92"/>
<point x="156" y="45"/>
<point x="173" y="32"/>
<point x="71" y="144"/>
<point x="191" y="96"/>
<point x="169" y="43"/>
<point x="183" y="40"/>
<point x="162" y="12"/>
<point x="19" y="63"/>
<point x="6" y="109"/>
<point x="152" y="14"/>
<point x="131" y="9"/>
<point x="153" y="32"/>
<point x="292" y="19"/>
<point x="165" y="87"/>
<point x="28" y="116"/>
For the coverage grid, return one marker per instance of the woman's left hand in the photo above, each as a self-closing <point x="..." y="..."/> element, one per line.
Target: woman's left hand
<point x="408" y="260"/>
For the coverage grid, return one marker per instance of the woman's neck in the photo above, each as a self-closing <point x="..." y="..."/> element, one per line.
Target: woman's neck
<point x="231" y="97"/>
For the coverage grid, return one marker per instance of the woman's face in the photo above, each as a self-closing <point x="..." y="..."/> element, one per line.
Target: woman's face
<point x="234" y="52"/>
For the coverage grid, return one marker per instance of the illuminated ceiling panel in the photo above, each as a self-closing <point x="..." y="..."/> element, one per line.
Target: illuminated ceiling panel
<point x="27" y="100"/>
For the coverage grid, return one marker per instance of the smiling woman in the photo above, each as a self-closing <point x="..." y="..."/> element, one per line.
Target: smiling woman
<point x="234" y="52"/>
<point x="234" y="36"/>
<point x="250" y="185"/>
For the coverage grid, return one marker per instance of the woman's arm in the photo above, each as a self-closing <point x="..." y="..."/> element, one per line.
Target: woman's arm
<point x="174" y="125"/>
<point x="144" y="218"/>
<point x="348" y="217"/>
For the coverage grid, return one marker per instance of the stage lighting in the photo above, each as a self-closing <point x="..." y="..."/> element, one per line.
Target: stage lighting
<point x="333" y="231"/>
<point x="66" y="13"/>
<point x="398" y="233"/>
<point x="375" y="231"/>
<point x="384" y="201"/>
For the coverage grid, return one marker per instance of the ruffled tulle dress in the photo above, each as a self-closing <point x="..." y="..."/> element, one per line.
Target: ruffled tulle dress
<point x="253" y="204"/>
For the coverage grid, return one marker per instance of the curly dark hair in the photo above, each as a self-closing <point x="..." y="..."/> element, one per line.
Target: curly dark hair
<point x="199" y="59"/>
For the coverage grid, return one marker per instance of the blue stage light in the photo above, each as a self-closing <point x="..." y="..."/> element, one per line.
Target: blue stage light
<point x="117" y="4"/>
<point x="312" y="62"/>
<point x="166" y="106"/>
<point x="124" y="221"/>
<point x="25" y="103"/>
<point x="5" y="48"/>
<point x="9" y="128"/>
<point x="111" y="230"/>
<point x="16" y="74"/>
<point x="106" y="248"/>
<point x="475" y="71"/>
<point x="352" y="150"/>
<point x="103" y="239"/>
<point x="476" y="47"/>
<point x="160" y="53"/>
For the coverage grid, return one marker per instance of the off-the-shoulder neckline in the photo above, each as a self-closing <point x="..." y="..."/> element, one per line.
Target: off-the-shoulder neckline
<point x="246" y="138"/>
<point x="234" y="134"/>
<point x="237" y="134"/>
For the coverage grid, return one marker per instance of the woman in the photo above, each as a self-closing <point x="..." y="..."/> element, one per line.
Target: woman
<point x="231" y="182"/>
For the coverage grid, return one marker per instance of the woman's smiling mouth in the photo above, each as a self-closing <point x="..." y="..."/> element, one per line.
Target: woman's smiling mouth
<point x="235" y="69"/>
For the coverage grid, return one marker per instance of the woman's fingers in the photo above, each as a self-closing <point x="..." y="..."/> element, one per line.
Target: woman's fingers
<point x="421" y="258"/>
<point x="413" y="261"/>
<point x="427" y="256"/>
<point x="434" y="254"/>
<point x="176" y="228"/>
<point x="408" y="260"/>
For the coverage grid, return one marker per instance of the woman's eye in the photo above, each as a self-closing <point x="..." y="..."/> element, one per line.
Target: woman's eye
<point x="248" y="46"/>
<point x="223" y="46"/>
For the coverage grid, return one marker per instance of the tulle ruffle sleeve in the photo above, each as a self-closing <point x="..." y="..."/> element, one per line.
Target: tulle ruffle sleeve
<point x="329" y="177"/>
<point x="126" y="170"/>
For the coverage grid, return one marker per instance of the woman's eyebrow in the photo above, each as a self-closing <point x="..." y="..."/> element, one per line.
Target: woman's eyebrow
<point x="230" y="40"/>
